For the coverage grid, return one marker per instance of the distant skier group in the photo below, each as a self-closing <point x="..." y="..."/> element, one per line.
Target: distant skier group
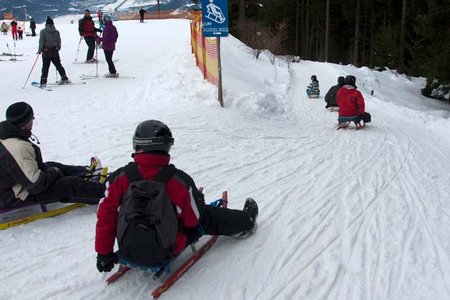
<point x="345" y="98"/>
<point x="50" y="45"/>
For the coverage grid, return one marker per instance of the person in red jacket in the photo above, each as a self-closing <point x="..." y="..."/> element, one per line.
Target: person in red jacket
<point x="87" y="30"/>
<point x="14" y="29"/>
<point x="152" y="141"/>
<point x="351" y="103"/>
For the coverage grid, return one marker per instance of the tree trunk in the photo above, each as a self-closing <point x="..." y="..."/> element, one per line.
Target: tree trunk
<point x="356" y="44"/>
<point x="296" y="28"/>
<point x="327" y="30"/>
<point x="401" y="50"/>
<point x="306" y="28"/>
<point x="372" y="34"/>
<point x="242" y="12"/>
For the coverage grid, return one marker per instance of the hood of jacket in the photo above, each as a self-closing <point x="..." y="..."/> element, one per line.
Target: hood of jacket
<point x="7" y="130"/>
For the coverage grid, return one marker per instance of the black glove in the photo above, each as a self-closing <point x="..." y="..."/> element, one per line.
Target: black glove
<point x="105" y="263"/>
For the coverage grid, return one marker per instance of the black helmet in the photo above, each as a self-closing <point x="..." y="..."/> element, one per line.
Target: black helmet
<point x="314" y="78"/>
<point x="151" y="136"/>
<point x="341" y="80"/>
<point x="350" y="79"/>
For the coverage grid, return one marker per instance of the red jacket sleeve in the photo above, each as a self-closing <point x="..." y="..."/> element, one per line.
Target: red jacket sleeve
<point x="107" y="214"/>
<point x="187" y="207"/>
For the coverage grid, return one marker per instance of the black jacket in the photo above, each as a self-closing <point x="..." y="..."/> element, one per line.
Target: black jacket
<point x="22" y="171"/>
<point x="330" y="97"/>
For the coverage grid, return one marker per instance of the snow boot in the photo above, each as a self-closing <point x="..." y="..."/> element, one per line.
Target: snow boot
<point x="64" y="80"/>
<point x="111" y="75"/>
<point x="251" y="208"/>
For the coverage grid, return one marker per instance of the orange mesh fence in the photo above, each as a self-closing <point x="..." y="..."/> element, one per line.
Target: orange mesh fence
<point x="205" y="51"/>
<point x="8" y="16"/>
<point x="163" y="14"/>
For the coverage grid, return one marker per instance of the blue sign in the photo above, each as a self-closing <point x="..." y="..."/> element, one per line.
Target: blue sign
<point x="215" y="18"/>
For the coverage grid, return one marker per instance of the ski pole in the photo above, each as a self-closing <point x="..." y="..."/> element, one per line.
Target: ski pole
<point x="78" y="50"/>
<point x="96" y="59"/>
<point x="14" y="50"/>
<point x="31" y="70"/>
<point x="9" y="50"/>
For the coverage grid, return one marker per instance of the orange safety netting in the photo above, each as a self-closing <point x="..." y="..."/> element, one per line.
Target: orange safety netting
<point x="205" y="51"/>
<point x="8" y="16"/>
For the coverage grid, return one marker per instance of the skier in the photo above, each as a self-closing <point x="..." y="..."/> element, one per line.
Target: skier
<point x="101" y="23"/>
<point x="87" y="30"/>
<point x="313" y="89"/>
<point x="14" y="29"/>
<point x="152" y="141"/>
<point x="33" y="27"/>
<point x="351" y="103"/>
<point x="4" y="28"/>
<point x="20" y="32"/>
<point x="25" y="178"/>
<point x="108" y="43"/>
<point x="141" y="13"/>
<point x="330" y="97"/>
<point x="49" y="46"/>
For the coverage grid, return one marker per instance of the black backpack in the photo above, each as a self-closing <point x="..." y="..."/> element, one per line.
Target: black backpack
<point x="147" y="225"/>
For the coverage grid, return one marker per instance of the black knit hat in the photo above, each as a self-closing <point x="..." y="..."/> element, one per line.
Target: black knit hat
<point x="19" y="114"/>
<point x="351" y="80"/>
<point x="49" y="21"/>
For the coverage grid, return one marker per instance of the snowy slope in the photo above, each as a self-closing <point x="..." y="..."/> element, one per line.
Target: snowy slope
<point x="343" y="214"/>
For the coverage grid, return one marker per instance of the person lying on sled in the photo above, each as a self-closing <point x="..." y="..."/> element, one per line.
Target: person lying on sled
<point x="25" y="179"/>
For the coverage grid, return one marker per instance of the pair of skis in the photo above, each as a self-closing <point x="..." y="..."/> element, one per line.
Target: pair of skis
<point x="175" y="275"/>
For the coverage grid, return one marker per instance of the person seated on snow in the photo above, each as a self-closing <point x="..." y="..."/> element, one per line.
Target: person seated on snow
<point x="152" y="141"/>
<point x="313" y="88"/>
<point x="25" y="179"/>
<point x="330" y="97"/>
<point x="351" y="102"/>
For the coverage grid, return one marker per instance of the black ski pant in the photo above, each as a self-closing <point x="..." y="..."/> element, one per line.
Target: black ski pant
<point x="219" y="221"/>
<point x="90" y="42"/>
<point x="108" y="57"/>
<point x="33" y="32"/>
<point x="70" y="188"/>
<point x="142" y="18"/>
<point x="46" y="65"/>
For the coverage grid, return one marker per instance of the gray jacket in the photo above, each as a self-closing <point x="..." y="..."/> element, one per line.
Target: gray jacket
<point x="49" y="38"/>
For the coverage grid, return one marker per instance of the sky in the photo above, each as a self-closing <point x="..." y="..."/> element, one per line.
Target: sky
<point x="348" y="214"/>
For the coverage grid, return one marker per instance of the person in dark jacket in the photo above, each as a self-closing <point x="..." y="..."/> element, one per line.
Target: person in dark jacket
<point x="87" y="30"/>
<point x="33" y="27"/>
<point x="49" y="46"/>
<point x="152" y="142"/>
<point x="142" y="12"/>
<point x="108" y="42"/>
<point x="330" y="97"/>
<point x="25" y="179"/>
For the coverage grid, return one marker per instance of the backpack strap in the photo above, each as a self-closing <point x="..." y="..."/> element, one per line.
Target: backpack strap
<point x="132" y="172"/>
<point x="166" y="172"/>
